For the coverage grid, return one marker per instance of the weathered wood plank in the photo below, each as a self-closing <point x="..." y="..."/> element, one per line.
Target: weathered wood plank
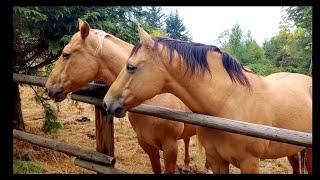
<point x="82" y="152"/>
<point x="27" y="79"/>
<point x="97" y="167"/>
<point x="92" y="89"/>
<point x="229" y="125"/>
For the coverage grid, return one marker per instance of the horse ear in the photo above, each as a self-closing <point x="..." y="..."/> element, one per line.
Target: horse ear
<point x="145" y="38"/>
<point x="84" y="28"/>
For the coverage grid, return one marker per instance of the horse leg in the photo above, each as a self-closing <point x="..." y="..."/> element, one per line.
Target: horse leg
<point x="309" y="160"/>
<point x="250" y="165"/>
<point x="170" y="152"/>
<point x="217" y="164"/>
<point x="153" y="154"/>
<point x="294" y="161"/>
<point x="186" y="166"/>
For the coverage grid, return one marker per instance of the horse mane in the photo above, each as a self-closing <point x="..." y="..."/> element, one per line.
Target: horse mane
<point x="195" y="57"/>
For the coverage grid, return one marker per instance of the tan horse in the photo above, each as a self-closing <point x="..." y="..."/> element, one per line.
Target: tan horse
<point x="95" y="55"/>
<point x="211" y="82"/>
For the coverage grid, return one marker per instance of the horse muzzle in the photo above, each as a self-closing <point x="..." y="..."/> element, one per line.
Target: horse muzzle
<point x="114" y="108"/>
<point x="55" y="93"/>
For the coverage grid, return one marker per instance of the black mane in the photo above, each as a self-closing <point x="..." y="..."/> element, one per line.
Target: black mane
<point x="195" y="57"/>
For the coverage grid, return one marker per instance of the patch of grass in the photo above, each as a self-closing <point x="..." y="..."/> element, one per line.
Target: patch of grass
<point x="25" y="166"/>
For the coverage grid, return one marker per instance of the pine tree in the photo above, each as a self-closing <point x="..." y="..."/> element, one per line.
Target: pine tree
<point x="175" y="27"/>
<point x="155" y="17"/>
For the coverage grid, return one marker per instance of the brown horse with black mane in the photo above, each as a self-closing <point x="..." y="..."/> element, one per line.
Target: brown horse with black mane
<point x="96" y="55"/>
<point x="211" y="82"/>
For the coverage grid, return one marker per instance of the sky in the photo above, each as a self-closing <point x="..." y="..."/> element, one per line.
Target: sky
<point x="205" y="23"/>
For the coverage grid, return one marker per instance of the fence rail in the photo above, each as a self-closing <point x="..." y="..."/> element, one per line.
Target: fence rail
<point x="97" y="167"/>
<point x="80" y="152"/>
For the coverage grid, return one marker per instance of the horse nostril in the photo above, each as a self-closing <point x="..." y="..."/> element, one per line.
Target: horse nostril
<point x="57" y="93"/>
<point x="118" y="111"/>
<point x="104" y="105"/>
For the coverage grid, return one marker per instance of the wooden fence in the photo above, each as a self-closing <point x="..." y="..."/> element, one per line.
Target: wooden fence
<point x="94" y="93"/>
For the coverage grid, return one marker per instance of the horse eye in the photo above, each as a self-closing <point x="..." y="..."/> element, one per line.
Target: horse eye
<point x="65" y="55"/>
<point x="131" y="68"/>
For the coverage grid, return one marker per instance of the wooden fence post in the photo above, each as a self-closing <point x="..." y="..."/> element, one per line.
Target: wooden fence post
<point x="104" y="132"/>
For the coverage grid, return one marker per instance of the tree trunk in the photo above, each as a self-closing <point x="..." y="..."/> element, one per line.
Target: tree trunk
<point x="17" y="113"/>
<point x="310" y="69"/>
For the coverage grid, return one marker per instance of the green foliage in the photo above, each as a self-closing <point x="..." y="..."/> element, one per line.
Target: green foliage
<point x="155" y="17"/>
<point x="289" y="50"/>
<point x="51" y="123"/>
<point x="264" y="69"/>
<point x="40" y="32"/>
<point x="53" y="47"/>
<point x="175" y="27"/>
<point x="301" y="16"/>
<point x="65" y="39"/>
<point x="235" y="43"/>
<point x="48" y="68"/>
<point x="158" y="33"/>
<point x="241" y="47"/>
<point x="31" y="12"/>
<point x="25" y="166"/>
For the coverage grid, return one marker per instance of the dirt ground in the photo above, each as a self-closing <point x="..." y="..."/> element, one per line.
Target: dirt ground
<point x="129" y="155"/>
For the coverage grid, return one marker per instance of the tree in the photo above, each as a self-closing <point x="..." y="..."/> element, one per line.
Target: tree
<point x="240" y="46"/>
<point x="275" y="47"/>
<point x="153" y="21"/>
<point x="175" y="27"/>
<point x="235" y="44"/>
<point x="290" y="49"/>
<point x="155" y="17"/>
<point x="245" y="49"/>
<point x="302" y="17"/>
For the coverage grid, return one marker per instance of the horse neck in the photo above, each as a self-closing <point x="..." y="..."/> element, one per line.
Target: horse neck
<point x="208" y="93"/>
<point x="112" y="58"/>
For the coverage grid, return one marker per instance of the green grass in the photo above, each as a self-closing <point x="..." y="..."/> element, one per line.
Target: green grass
<point x="25" y="166"/>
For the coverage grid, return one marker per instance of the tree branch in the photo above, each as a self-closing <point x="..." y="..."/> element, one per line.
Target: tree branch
<point x="46" y="62"/>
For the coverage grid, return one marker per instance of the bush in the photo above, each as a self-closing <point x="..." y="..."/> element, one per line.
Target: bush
<point x="300" y="70"/>
<point x="264" y="69"/>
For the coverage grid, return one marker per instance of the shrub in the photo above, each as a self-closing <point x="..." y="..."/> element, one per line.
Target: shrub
<point x="264" y="69"/>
